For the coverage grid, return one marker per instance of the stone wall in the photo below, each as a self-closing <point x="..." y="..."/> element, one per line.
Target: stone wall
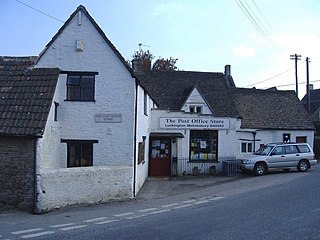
<point x="16" y="173"/>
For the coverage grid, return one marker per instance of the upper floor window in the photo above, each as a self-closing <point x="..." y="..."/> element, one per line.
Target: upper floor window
<point x="195" y="109"/>
<point x="145" y="103"/>
<point x="80" y="87"/>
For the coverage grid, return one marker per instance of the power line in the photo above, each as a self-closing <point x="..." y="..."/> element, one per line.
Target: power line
<point x="255" y="21"/>
<point x="267" y="79"/>
<point x="39" y="11"/>
<point x="291" y="84"/>
<point x="261" y="13"/>
<point x="270" y="78"/>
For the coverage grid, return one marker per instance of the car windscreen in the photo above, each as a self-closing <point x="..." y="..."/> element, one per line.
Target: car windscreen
<point x="264" y="150"/>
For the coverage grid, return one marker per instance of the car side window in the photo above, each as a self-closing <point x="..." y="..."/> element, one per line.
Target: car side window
<point x="291" y="149"/>
<point x="303" y="148"/>
<point x="278" y="151"/>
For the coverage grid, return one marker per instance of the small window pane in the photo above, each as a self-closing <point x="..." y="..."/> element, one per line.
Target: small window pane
<point x="74" y="80"/>
<point x="249" y="147"/>
<point x="243" y="147"/>
<point x="74" y="93"/>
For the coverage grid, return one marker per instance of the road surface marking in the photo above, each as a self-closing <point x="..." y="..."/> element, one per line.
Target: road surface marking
<point x="27" y="231"/>
<point x="182" y="206"/>
<point x="160" y="211"/>
<point x="147" y="210"/>
<point x="215" y="198"/>
<point x="95" y="219"/>
<point x="37" y="234"/>
<point x="200" y="202"/>
<point x="189" y="201"/>
<point x="170" y="205"/>
<point x="62" y="225"/>
<point x="109" y="221"/>
<point x="73" y="227"/>
<point x="123" y="214"/>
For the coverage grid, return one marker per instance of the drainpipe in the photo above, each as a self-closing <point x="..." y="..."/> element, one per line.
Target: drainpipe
<point x="35" y="175"/>
<point x="135" y="140"/>
<point x="254" y="141"/>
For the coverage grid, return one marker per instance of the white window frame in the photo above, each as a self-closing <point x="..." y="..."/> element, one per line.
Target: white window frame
<point x="246" y="147"/>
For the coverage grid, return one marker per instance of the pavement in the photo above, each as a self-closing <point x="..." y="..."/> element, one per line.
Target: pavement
<point x="156" y="188"/>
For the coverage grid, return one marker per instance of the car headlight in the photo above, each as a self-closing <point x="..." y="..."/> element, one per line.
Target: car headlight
<point x="246" y="161"/>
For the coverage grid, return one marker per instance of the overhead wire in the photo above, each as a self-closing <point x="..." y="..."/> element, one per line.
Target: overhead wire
<point x="39" y="11"/>
<point x="277" y="75"/>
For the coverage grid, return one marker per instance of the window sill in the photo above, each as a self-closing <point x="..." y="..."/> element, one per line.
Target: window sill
<point x="66" y="100"/>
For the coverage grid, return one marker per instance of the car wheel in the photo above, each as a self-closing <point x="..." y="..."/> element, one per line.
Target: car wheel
<point x="260" y="169"/>
<point x="303" y="166"/>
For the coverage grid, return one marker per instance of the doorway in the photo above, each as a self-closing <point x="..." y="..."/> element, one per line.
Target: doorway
<point x="160" y="157"/>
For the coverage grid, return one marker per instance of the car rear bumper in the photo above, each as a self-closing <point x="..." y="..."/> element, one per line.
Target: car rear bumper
<point x="313" y="162"/>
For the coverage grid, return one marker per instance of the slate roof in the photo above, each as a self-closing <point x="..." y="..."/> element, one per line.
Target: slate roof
<point x="170" y="89"/>
<point x="25" y="96"/>
<point x="100" y="31"/>
<point x="271" y="109"/>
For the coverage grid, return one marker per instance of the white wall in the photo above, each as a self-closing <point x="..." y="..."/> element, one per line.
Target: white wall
<point x="195" y="99"/>
<point x="227" y="139"/>
<point x="143" y="129"/>
<point x="63" y="187"/>
<point x="114" y="93"/>
<point x="270" y="136"/>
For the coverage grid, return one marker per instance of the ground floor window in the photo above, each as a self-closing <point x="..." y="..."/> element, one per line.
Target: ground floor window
<point x="204" y="145"/>
<point x="79" y="152"/>
<point x="246" y="147"/>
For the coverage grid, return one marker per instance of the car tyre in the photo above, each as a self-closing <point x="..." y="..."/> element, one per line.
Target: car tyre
<point x="260" y="169"/>
<point x="303" y="166"/>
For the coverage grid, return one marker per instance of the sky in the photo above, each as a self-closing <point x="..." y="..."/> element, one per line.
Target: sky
<point x="255" y="37"/>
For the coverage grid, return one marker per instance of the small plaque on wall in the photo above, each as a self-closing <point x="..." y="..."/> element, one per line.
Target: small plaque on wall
<point x="108" y="118"/>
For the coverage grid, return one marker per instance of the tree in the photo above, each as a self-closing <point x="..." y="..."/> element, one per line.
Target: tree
<point x="145" y="58"/>
<point x="162" y="64"/>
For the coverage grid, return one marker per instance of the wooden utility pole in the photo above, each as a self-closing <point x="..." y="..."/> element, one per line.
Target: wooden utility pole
<point x="296" y="57"/>
<point x="308" y="87"/>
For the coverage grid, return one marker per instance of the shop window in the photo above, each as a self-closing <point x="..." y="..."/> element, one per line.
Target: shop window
<point x="80" y="87"/>
<point x="79" y="152"/>
<point x="246" y="147"/>
<point x="160" y="148"/>
<point x="203" y="145"/>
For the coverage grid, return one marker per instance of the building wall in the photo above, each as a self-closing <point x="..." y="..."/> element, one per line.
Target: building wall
<point x="143" y="130"/>
<point x="64" y="187"/>
<point x="270" y="136"/>
<point x="114" y="93"/>
<point x="17" y="173"/>
<point x="227" y="148"/>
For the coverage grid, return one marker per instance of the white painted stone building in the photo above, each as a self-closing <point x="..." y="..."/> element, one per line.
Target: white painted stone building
<point x="90" y="144"/>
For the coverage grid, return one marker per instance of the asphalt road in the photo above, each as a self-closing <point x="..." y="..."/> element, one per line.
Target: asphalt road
<point x="277" y="206"/>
